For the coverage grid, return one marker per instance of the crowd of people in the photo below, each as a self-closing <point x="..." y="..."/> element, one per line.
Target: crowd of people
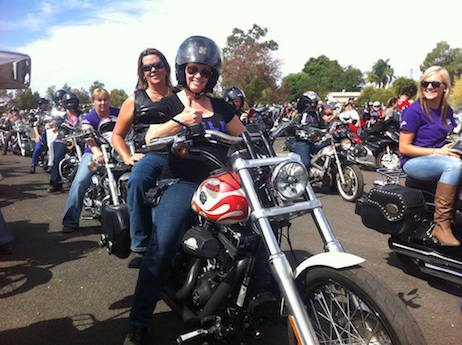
<point x="157" y="109"/>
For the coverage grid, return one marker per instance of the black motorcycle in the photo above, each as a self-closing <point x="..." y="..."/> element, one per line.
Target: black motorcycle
<point x="230" y="278"/>
<point x="330" y="165"/>
<point x="406" y="214"/>
<point x="379" y="146"/>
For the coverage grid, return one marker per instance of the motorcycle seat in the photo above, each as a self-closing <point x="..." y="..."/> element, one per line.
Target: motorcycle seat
<point x="429" y="186"/>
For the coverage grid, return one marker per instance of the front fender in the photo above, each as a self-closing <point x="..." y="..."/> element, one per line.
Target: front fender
<point x="336" y="260"/>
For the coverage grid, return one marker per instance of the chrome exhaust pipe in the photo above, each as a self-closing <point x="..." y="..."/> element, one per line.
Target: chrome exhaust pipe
<point x="433" y="263"/>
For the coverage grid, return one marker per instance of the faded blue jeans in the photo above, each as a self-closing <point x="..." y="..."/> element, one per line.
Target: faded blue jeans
<point x="440" y="168"/>
<point x="143" y="176"/>
<point x="79" y="187"/>
<point x="172" y="215"/>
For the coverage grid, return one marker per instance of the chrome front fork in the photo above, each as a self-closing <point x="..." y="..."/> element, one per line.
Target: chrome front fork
<point x="110" y="176"/>
<point x="279" y="264"/>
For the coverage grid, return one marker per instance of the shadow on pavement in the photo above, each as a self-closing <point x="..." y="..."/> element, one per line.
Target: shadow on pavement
<point x="85" y="329"/>
<point x="9" y="194"/>
<point x="31" y="241"/>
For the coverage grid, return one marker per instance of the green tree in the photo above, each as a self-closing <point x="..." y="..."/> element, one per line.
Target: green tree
<point x="296" y="84"/>
<point x="405" y="85"/>
<point x="50" y="93"/>
<point x="25" y="99"/>
<point x="254" y="91"/>
<point x="455" y="98"/>
<point x="96" y="84"/>
<point x="443" y="55"/>
<point x="381" y="73"/>
<point x="372" y="94"/>
<point x="351" y="80"/>
<point x="248" y="63"/>
<point x="325" y="75"/>
<point x="118" y="96"/>
<point x="83" y="96"/>
<point x="66" y="88"/>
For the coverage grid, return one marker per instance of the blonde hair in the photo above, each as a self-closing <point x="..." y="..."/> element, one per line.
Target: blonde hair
<point x="98" y="92"/>
<point x="443" y="106"/>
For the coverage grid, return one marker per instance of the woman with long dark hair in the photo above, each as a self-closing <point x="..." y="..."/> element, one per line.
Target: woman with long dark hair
<point x="153" y="84"/>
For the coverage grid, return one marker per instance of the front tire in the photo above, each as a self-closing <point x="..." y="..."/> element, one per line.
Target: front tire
<point x="351" y="306"/>
<point x="353" y="187"/>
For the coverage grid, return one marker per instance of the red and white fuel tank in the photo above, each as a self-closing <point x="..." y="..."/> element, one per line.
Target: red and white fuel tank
<point x="221" y="199"/>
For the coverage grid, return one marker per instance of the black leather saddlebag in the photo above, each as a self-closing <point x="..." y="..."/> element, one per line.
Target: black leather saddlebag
<point x="391" y="209"/>
<point x="115" y="224"/>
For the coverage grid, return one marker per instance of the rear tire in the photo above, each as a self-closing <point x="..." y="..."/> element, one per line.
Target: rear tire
<point x="388" y="160"/>
<point x="352" y="306"/>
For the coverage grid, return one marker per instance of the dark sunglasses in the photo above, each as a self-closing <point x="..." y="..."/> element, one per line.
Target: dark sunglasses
<point x="435" y="84"/>
<point x="192" y="70"/>
<point x="156" y="65"/>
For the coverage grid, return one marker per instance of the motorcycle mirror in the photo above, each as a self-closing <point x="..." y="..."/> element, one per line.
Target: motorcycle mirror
<point x="15" y="70"/>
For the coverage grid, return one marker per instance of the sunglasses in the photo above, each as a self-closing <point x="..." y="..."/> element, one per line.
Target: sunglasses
<point x="192" y="70"/>
<point x="155" y="65"/>
<point x="435" y="84"/>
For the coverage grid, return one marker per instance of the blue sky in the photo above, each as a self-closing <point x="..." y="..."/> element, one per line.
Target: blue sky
<point x="24" y="21"/>
<point x="78" y="42"/>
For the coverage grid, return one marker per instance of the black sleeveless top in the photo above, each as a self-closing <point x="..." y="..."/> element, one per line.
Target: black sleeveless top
<point x="194" y="170"/>
<point x="144" y="115"/>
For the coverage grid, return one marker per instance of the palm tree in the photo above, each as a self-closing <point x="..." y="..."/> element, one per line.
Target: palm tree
<point x="381" y="74"/>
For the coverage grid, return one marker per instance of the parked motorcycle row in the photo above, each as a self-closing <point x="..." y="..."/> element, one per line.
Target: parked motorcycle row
<point x="230" y="278"/>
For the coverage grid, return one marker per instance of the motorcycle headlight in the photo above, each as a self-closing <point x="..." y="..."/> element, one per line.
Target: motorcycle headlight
<point x="290" y="180"/>
<point x="345" y="144"/>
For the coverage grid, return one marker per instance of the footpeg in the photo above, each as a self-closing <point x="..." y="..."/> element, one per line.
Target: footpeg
<point x="215" y="329"/>
<point x="191" y="335"/>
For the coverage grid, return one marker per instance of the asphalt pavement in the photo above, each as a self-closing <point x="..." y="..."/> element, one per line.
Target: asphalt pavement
<point x="64" y="289"/>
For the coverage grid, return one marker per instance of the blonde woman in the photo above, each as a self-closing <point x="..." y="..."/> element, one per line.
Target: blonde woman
<point x="425" y="153"/>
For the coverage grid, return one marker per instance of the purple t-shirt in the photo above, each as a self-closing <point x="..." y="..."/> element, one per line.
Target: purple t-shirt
<point x="93" y="120"/>
<point x="426" y="133"/>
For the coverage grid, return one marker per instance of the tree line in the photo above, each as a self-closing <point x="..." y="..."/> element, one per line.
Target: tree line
<point x="249" y="64"/>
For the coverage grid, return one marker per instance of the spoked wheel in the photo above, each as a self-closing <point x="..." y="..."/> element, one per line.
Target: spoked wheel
<point x="351" y="306"/>
<point x="388" y="159"/>
<point x="353" y="187"/>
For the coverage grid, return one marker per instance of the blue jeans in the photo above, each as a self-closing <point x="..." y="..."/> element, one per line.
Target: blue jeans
<point x="305" y="148"/>
<point x="142" y="177"/>
<point x="38" y="150"/>
<point x="172" y="216"/>
<point x="79" y="186"/>
<point x="60" y="150"/>
<point x="444" y="169"/>
<point x="5" y="234"/>
<point x="302" y="148"/>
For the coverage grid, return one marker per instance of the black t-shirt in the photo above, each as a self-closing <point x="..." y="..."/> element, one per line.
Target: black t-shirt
<point x="192" y="169"/>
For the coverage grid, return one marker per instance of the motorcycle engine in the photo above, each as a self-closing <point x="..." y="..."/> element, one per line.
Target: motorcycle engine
<point x="315" y="173"/>
<point x="206" y="284"/>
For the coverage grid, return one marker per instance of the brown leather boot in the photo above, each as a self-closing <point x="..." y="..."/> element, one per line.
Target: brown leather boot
<point x="444" y="207"/>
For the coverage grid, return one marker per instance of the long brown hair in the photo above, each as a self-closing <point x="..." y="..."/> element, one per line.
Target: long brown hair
<point x="443" y="106"/>
<point x="142" y="84"/>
